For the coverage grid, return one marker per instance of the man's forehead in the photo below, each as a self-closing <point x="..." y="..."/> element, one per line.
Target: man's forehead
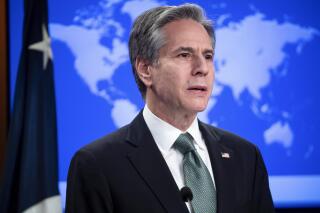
<point x="180" y="44"/>
<point x="185" y="32"/>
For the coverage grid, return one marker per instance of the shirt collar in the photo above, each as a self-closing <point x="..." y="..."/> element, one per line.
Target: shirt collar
<point x="165" y="134"/>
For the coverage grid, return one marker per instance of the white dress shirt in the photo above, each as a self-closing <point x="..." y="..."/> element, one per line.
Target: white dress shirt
<point x="165" y="135"/>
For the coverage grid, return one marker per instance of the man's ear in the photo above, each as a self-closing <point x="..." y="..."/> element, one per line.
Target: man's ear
<point x="143" y="71"/>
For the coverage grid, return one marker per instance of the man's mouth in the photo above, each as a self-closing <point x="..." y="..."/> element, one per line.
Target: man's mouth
<point x="198" y="88"/>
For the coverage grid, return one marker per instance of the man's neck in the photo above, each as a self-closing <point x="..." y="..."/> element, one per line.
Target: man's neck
<point x="177" y="118"/>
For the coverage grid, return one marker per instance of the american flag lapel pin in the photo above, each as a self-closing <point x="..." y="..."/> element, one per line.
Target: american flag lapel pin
<point x="225" y="155"/>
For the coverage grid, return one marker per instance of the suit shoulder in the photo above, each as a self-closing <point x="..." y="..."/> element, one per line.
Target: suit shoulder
<point x="107" y="143"/>
<point x="230" y="139"/>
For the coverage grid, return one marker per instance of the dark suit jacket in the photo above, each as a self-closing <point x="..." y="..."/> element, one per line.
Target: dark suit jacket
<point x="125" y="172"/>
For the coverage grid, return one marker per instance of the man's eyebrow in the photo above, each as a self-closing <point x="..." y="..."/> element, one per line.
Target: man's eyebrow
<point x="184" y="49"/>
<point x="211" y="51"/>
<point x="191" y="50"/>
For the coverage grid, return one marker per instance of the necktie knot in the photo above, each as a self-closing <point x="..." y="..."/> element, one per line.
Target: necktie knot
<point x="184" y="143"/>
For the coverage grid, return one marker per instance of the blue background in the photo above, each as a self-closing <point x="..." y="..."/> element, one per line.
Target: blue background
<point x="84" y="117"/>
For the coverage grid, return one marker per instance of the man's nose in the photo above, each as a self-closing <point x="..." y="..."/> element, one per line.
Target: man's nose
<point x="200" y="66"/>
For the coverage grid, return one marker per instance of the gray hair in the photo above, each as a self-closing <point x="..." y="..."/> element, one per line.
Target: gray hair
<point x="146" y="37"/>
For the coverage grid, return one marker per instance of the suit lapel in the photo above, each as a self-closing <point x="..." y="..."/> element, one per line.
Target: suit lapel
<point x="151" y="166"/>
<point x="222" y="163"/>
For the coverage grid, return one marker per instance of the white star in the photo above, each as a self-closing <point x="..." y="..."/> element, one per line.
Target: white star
<point x="43" y="46"/>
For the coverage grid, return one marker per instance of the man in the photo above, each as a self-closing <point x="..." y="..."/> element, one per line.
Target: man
<point x="143" y="166"/>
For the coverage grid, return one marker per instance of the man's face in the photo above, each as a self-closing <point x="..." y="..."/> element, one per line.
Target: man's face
<point x="181" y="81"/>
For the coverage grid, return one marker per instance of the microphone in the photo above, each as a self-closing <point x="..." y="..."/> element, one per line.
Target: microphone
<point x="186" y="194"/>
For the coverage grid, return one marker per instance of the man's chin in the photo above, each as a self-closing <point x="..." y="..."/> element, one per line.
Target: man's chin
<point x="199" y="108"/>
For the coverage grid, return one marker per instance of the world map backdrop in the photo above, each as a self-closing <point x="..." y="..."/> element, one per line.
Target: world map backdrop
<point x="266" y="80"/>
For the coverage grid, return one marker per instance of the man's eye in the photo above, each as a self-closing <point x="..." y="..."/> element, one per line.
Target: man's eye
<point x="184" y="55"/>
<point x="209" y="57"/>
